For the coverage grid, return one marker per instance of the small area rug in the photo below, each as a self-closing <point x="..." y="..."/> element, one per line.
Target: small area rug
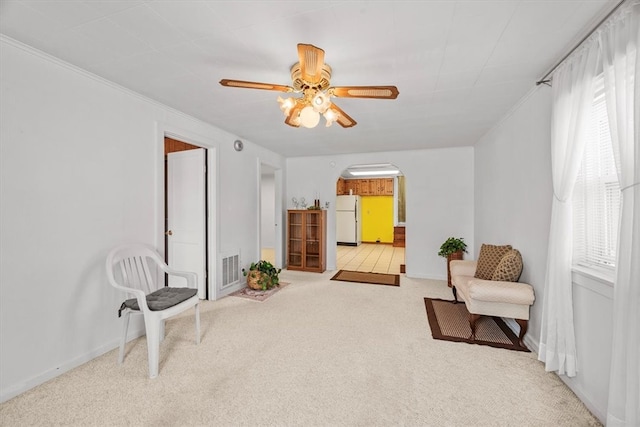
<point x="371" y="278"/>
<point x="450" y="322"/>
<point x="256" y="295"/>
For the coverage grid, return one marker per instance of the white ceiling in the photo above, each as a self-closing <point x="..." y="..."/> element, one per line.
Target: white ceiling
<point x="459" y="65"/>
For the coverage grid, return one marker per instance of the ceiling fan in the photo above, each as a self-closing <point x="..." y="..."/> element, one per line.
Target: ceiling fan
<point x="311" y="77"/>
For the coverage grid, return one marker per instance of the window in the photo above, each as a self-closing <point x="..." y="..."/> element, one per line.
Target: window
<point x="596" y="197"/>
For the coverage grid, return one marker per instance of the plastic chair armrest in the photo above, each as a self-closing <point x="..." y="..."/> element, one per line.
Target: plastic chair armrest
<point x="138" y="294"/>
<point x="191" y="277"/>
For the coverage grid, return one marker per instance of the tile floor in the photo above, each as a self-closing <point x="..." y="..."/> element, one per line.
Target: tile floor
<point x="368" y="257"/>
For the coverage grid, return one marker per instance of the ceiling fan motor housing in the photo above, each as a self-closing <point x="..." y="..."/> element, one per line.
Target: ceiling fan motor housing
<point x="299" y="84"/>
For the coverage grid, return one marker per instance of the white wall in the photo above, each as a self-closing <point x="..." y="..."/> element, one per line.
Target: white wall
<point x="80" y="165"/>
<point x="513" y="194"/>
<point x="593" y="314"/>
<point x="439" y="192"/>
<point x="513" y="190"/>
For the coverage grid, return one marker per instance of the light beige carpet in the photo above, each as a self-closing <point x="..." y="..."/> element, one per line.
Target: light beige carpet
<point x="317" y="353"/>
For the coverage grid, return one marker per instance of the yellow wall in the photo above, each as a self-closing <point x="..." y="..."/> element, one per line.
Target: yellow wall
<point x="377" y="218"/>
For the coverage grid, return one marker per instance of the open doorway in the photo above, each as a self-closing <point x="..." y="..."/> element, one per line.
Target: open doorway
<point x="267" y="214"/>
<point x="185" y="207"/>
<point x="370" y="219"/>
<point x="270" y="215"/>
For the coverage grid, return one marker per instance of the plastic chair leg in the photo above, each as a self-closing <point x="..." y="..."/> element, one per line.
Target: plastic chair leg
<point x="153" y="345"/>
<point x="123" y="339"/>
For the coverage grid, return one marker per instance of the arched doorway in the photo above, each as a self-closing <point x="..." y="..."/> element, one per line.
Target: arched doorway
<point x="370" y="218"/>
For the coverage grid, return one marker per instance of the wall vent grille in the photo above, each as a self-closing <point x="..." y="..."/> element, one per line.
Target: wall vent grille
<point x="230" y="269"/>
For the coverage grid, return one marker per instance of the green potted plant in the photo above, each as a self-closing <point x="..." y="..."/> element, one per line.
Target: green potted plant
<point x="262" y="275"/>
<point x="451" y="249"/>
<point x="451" y="246"/>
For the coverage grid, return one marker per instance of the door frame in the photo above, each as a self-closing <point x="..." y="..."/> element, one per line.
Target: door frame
<point x="395" y="202"/>
<point x="278" y="212"/>
<point x="212" y="214"/>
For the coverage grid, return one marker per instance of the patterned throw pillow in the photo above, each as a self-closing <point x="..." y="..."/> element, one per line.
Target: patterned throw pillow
<point x="488" y="260"/>
<point x="509" y="268"/>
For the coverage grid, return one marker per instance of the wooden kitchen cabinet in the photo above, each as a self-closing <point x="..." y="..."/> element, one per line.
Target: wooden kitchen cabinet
<point x="307" y="240"/>
<point x="386" y="187"/>
<point x="381" y="187"/>
<point x="399" y="237"/>
<point x="357" y="184"/>
<point x="350" y="186"/>
<point x="365" y="187"/>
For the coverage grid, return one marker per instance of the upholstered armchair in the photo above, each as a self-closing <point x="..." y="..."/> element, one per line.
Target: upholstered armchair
<point x="490" y="287"/>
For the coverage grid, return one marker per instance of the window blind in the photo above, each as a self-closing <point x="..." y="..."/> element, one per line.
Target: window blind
<point x="596" y="197"/>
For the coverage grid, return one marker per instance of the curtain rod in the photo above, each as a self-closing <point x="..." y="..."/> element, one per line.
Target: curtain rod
<point x="544" y="78"/>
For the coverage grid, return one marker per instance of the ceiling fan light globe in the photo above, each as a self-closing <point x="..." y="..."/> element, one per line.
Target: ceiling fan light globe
<point x="309" y="118"/>
<point x="330" y="116"/>
<point x="286" y="105"/>
<point x="320" y="102"/>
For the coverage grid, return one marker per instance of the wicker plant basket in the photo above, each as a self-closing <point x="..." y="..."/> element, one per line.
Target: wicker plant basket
<point x="262" y="271"/>
<point x="253" y="278"/>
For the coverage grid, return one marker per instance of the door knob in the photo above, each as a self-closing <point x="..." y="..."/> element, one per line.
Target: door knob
<point x="169" y="233"/>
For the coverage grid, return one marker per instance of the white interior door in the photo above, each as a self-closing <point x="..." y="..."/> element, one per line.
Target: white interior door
<point x="186" y="214"/>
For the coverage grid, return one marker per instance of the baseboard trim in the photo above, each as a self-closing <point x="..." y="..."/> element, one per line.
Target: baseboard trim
<point x="378" y="243"/>
<point x="531" y="344"/>
<point x="230" y="289"/>
<point x="572" y="384"/>
<point x="441" y="278"/>
<point x="19" y="388"/>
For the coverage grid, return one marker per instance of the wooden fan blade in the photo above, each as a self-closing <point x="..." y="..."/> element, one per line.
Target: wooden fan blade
<point x="255" y="85"/>
<point x="377" y="92"/>
<point x="292" y="119"/>
<point x="343" y="119"/>
<point x="311" y="62"/>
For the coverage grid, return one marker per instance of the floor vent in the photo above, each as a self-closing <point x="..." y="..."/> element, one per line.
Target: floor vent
<point x="230" y="269"/>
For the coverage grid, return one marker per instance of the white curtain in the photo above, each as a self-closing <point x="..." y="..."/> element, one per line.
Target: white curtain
<point x="572" y="97"/>
<point x="620" y="41"/>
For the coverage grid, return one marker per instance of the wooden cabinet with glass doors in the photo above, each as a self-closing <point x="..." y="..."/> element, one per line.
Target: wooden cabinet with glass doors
<point x="306" y="240"/>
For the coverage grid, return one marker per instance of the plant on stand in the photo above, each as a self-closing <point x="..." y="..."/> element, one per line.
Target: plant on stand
<point x="262" y="275"/>
<point x="452" y="249"/>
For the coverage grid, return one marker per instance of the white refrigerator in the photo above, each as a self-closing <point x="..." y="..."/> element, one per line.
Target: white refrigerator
<point x="348" y="220"/>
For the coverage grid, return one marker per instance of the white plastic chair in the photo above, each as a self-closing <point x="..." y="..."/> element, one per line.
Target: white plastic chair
<point x="128" y="270"/>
